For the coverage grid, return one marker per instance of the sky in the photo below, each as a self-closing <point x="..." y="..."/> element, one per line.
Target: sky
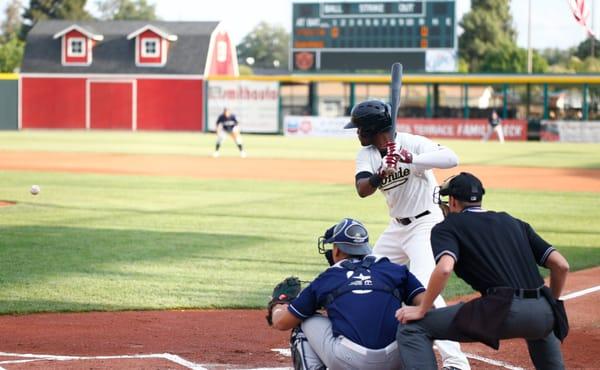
<point x="553" y="25"/>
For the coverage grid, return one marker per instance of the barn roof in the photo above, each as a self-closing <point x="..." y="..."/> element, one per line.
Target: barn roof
<point x="115" y="53"/>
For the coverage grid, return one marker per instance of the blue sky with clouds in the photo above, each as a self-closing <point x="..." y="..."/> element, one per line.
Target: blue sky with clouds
<point x="553" y="24"/>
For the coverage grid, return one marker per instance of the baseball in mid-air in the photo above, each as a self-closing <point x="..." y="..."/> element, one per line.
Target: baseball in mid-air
<point x="35" y="189"/>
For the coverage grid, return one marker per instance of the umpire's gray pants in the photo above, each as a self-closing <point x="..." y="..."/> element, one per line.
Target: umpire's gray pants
<point x="341" y="353"/>
<point x="530" y="319"/>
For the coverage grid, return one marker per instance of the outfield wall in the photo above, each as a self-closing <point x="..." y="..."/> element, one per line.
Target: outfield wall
<point x="123" y="102"/>
<point x="447" y="128"/>
<point x="9" y="101"/>
<point x="570" y="131"/>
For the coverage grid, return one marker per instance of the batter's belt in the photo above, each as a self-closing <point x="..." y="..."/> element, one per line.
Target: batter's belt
<point x="407" y="220"/>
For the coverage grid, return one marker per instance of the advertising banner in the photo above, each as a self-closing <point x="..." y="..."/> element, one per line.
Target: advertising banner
<point x="304" y="126"/>
<point x="254" y="103"/>
<point x="570" y="131"/>
<point x="455" y="128"/>
<point x="460" y="128"/>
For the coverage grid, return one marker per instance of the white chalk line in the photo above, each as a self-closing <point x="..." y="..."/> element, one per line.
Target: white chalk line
<point x="37" y="357"/>
<point x="282" y="351"/>
<point x="287" y="352"/>
<point x="580" y="293"/>
<point x="490" y="361"/>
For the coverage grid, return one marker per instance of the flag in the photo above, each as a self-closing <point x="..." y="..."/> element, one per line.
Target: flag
<point x="581" y="14"/>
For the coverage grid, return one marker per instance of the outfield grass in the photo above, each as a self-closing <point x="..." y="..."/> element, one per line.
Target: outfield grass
<point x="110" y="242"/>
<point x="525" y="154"/>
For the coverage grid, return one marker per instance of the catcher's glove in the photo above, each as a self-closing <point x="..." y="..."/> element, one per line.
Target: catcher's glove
<point x="284" y="292"/>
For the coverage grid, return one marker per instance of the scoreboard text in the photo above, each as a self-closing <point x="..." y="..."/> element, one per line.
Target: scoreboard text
<point x="325" y="34"/>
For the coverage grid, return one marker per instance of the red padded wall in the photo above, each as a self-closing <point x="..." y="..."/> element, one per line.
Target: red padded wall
<point x="165" y="104"/>
<point x="53" y="103"/>
<point x="111" y="105"/>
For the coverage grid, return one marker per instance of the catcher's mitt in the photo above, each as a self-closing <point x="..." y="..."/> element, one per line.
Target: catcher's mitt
<point x="284" y="292"/>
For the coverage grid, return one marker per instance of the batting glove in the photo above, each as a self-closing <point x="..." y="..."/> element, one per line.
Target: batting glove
<point x="405" y="156"/>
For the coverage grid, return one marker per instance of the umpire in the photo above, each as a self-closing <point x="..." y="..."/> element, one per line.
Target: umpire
<point x="496" y="254"/>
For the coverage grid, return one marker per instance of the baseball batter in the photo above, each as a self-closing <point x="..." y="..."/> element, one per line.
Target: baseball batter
<point x="227" y="123"/>
<point x="401" y="168"/>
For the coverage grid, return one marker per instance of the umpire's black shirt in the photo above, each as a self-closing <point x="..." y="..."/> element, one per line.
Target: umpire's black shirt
<point x="491" y="249"/>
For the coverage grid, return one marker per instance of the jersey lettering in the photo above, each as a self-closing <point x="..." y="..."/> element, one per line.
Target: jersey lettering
<point x="395" y="179"/>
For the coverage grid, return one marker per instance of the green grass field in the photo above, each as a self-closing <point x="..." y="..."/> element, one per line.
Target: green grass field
<point x="113" y="242"/>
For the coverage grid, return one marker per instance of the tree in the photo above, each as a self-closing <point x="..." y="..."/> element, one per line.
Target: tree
<point x="265" y="46"/>
<point x="12" y="20"/>
<point x="511" y="59"/>
<point x="11" y="54"/>
<point x="487" y="27"/>
<point x="557" y="56"/>
<point x="11" y="48"/>
<point x="52" y="9"/>
<point x="126" y="10"/>
<point x="584" y="49"/>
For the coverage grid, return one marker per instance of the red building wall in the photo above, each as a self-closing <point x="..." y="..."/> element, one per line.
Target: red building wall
<point x="53" y="103"/>
<point x="152" y="60"/>
<point x="65" y="40"/>
<point x="111" y="105"/>
<point x="221" y="60"/>
<point x="164" y="104"/>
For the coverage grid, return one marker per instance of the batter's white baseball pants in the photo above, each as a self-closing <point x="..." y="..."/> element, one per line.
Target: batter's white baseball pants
<point x="411" y="245"/>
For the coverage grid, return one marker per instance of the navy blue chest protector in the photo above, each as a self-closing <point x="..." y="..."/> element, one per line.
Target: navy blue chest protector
<point x="344" y="288"/>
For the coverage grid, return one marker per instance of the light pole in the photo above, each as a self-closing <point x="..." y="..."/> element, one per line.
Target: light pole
<point x="529" y="53"/>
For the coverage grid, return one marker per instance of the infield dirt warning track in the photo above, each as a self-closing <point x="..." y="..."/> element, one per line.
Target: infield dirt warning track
<point x="241" y="339"/>
<point x="327" y="171"/>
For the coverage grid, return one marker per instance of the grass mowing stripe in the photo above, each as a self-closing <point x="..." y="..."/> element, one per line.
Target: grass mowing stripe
<point x="104" y="242"/>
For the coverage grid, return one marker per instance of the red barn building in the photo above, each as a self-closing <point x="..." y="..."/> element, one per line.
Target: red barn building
<point x="130" y="75"/>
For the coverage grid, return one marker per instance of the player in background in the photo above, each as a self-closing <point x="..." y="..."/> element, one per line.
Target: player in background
<point x="494" y="124"/>
<point x="227" y="124"/>
<point x="401" y="168"/>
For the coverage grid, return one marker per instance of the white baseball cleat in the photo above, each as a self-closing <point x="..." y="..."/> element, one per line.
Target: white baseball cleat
<point x="216" y="154"/>
<point x="243" y="154"/>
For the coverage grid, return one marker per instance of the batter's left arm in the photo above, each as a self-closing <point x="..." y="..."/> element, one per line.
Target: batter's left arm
<point x="441" y="158"/>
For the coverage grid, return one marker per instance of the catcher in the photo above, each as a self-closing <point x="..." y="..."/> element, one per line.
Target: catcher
<point x="360" y="293"/>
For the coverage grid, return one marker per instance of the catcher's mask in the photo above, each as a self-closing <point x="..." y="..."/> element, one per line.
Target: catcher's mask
<point x="349" y="235"/>
<point x="464" y="187"/>
<point x="438" y="192"/>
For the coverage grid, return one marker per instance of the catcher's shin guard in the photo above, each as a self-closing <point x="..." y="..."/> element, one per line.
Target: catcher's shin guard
<point x="303" y="356"/>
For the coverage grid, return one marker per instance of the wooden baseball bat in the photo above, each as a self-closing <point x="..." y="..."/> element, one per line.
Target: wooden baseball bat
<point x="395" y="88"/>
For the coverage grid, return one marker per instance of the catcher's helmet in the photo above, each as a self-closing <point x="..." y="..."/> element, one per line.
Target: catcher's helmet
<point x="372" y="116"/>
<point x="349" y="235"/>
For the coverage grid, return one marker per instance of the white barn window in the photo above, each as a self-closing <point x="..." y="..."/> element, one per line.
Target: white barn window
<point x="76" y="47"/>
<point x="150" y="47"/>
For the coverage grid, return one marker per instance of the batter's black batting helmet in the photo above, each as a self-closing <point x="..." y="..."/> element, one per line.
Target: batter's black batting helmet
<point x="372" y="116"/>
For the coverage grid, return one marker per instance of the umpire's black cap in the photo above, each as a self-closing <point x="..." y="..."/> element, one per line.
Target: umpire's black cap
<point x="464" y="186"/>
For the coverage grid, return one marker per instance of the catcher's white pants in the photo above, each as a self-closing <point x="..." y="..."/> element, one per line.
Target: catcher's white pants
<point x="339" y="353"/>
<point x="411" y="245"/>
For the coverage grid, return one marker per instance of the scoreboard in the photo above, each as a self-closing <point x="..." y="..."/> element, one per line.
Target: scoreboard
<point x="349" y="36"/>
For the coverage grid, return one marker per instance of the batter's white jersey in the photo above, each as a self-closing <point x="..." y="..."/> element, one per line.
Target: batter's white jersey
<point x="409" y="191"/>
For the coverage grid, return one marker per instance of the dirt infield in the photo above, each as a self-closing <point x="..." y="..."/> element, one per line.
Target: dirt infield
<point x="240" y="338"/>
<point x="552" y="179"/>
<point x="232" y="338"/>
